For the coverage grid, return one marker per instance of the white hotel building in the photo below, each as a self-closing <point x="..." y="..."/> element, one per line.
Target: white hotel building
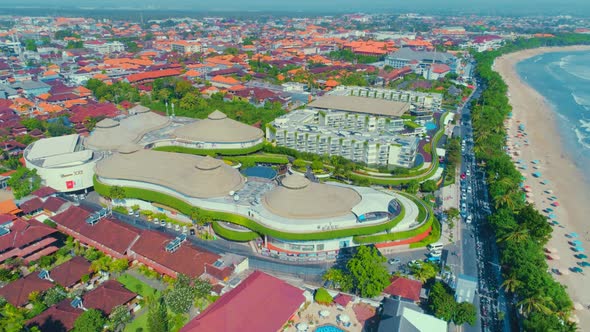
<point x="419" y="100"/>
<point x="362" y="138"/>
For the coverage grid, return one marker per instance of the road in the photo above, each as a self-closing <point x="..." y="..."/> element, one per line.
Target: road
<point x="479" y="250"/>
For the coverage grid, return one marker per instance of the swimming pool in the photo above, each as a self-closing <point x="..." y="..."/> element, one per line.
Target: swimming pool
<point x="430" y="125"/>
<point x="261" y="172"/>
<point x="328" y="328"/>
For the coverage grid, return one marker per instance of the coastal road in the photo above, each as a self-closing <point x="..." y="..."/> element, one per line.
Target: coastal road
<point x="478" y="246"/>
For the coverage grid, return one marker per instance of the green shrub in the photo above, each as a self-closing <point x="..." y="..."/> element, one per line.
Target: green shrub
<point x="232" y="235"/>
<point x="323" y="297"/>
<point x="211" y="152"/>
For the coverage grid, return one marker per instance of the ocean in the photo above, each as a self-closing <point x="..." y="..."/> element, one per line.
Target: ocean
<point x="563" y="78"/>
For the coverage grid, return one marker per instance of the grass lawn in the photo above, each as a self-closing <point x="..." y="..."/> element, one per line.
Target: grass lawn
<point x="139" y="321"/>
<point x="137" y="286"/>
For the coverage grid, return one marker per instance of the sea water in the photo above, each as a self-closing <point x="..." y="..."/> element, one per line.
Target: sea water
<point x="563" y="78"/>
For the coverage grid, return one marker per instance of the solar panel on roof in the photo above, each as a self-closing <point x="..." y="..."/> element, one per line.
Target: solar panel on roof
<point x="4" y="231"/>
<point x="76" y="302"/>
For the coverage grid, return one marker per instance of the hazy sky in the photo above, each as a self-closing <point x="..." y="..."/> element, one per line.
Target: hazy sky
<point x="549" y="7"/>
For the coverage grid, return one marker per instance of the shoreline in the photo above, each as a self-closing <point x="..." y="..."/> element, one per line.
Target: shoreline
<point x="547" y="145"/>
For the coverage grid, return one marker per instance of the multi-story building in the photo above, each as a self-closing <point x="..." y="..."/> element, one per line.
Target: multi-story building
<point x="104" y="47"/>
<point x="186" y="46"/>
<point x="423" y="100"/>
<point x="369" y="139"/>
<point x="407" y="57"/>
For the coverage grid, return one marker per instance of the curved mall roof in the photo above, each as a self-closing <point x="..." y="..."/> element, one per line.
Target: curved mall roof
<point x="217" y="127"/>
<point x="300" y="198"/>
<point x="194" y="176"/>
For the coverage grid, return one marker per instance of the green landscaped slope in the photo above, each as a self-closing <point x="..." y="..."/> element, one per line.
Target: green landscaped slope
<point x="184" y="207"/>
<point x="211" y="152"/>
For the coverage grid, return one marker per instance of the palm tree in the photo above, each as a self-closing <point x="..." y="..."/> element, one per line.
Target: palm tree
<point x="519" y="235"/>
<point x="506" y="199"/>
<point x="538" y="303"/>
<point x="511" y="284"/>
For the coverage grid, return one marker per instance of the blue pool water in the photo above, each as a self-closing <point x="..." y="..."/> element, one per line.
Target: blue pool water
<point x="430" y="126"/>
<point x="260" y="171"/>
<point x="328" y="328"/>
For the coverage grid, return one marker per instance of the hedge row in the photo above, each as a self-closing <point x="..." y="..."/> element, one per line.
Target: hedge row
<point x="232" y="235"/>
<point x="185" y="208"/>
<point x="211" y="152"/>
<point x="260" y="158"/>
<point x="433" y="237"/>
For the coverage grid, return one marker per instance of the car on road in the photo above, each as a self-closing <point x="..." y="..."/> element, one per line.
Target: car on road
<point x="469" y="219"/>
<point x="469" y="190"/>
<point x="432" y="259"/>
<point x="463" y="176"/>
<point x="130" y="212"/>
<point x="468" y="172"/>
<point x="463" y="196"/>
<point x="394" y="261"/>
<point x="436" y="253"/>
<point x="162" y="223"/>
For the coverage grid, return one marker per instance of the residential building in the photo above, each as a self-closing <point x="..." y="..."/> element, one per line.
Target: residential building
<point x="60" y="317"/>
<point x="186" y="46"/>
<point x="17" y="292"/>
<point x="259" y="303"/>
<point x="398" y="315"/>
<point x="70" y="273"/>
<point x="104" y="47"/>
<point x="404" y="288"/>
<point x="26" y="239"/>
<point x="362" y="138"/>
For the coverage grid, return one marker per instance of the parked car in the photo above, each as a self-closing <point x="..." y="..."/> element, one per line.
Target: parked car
<point x="469" y="219"/>
<point x="394" y="261"/>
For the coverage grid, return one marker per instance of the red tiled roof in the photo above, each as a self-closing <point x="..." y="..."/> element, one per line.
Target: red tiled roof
<point x="44" y="192"/>
<point x="60" y="317"/>
<point x="110" y="233"/>
<point x="342" y="299"/>
<point x="107" y="296"/>
<point x="24" y="232"/>
<point x="53" y="204"/>
<point x="406" y="288"/>
<point x="186" y="259"/>
<point x="70" y="272"/>
<point x="150" y="75"/>
<point x="440" y="68"/>
<point x="17" y="292"/>
<point x="31" y="205"/>
<point x="260" y="303"/>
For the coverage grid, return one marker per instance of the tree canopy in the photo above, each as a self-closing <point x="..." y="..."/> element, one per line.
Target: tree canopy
<point x="91" y="320"/>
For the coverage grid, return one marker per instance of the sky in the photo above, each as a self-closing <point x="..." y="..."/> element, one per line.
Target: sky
<point x="503" y="7"/>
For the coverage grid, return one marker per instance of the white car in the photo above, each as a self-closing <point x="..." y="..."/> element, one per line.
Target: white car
<point x="463" y="196"/>
<point x="437" y="253"/>
<point x="469" y="219"/>
<point x="469" y="189"/>
<point x="468" y="172"/>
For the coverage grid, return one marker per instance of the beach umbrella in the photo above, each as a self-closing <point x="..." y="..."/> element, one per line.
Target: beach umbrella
<point x="302" y="327"/>
<point x="536" y="161"/>
<point x="578" y="306"/>
<point x="530" y="201"/>
<point x="577" y="269"/>
<point x="324" y="313"/>
<point x="544" y="182"/>
<point x="550" y="250"/>
<point x="576" y="242"/>
<point x="581" y="256"/>
<point x="563" y="271"/>
<point x="584" y="264"/>
<point x="553" y="197"/>
<point x="345" y="319"/>
<point x="549" y="210"/>
<point x="552" y="216"/>
<point x="549" y="191"/>
<point x="553" y="257"/>
<point x="573" y="234"/>
<point x="556" y="204"/>
<point x="579" y="249"/>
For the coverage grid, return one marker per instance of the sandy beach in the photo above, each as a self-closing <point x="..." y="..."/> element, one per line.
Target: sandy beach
<point x="542" y="142"/>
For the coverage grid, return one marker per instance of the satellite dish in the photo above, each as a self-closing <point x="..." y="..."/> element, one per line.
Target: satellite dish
<point x="236" y="198"/>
